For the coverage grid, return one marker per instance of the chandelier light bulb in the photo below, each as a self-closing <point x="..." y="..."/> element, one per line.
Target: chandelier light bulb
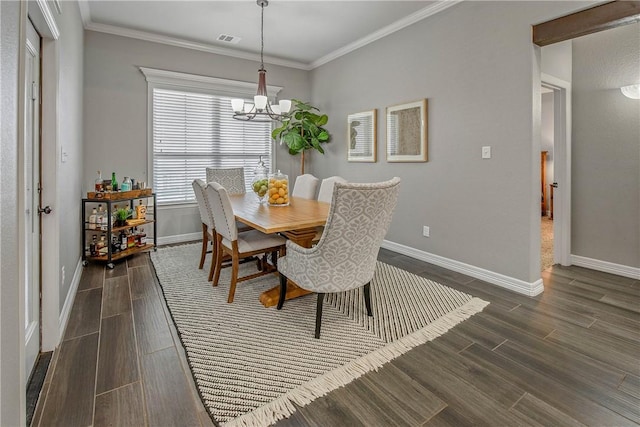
<point x="237" y="105"/>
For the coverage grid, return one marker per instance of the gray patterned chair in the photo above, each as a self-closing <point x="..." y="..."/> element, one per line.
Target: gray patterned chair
<point x="232" y="179"/>
<point x="245" y="245"/>
<point x="345" y="257"/>
<point x="305" y="186"/>
<point x="205" y="217"/>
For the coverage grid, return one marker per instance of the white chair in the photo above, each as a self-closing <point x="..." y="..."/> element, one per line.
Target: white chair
<point x="206" y="218"/>
<point x="237" y="246"/>
<point x="232" y="179"/>
<point x="345" y="257"/>
<point x="305" y="186"/>
<point x="326" y="188"/>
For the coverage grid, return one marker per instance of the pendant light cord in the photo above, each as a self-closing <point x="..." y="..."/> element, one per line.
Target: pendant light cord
<point x="262" y="36"/>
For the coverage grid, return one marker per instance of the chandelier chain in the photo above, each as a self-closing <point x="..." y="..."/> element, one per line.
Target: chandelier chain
<point x="262" y="35"/>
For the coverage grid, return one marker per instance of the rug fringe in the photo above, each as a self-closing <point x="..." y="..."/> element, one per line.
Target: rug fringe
<point x="283" y="407"/>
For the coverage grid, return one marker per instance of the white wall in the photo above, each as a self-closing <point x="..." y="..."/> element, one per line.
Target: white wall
<point x="115" y="102"/>
<point x="606" y="147"/>
<point x="480" y="73"/>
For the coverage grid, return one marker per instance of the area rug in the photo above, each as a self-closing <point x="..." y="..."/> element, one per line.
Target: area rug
<point x="251" y="364"/>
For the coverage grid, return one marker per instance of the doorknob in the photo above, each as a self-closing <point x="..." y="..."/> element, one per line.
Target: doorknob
<point x="46" y="210"/>
<point x="554" y="185"/>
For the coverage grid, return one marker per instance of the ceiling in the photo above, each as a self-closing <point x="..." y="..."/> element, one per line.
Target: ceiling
<point x="302" y="34"/>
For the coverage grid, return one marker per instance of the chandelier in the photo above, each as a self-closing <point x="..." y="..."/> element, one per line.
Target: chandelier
<point x="261" y="110"/>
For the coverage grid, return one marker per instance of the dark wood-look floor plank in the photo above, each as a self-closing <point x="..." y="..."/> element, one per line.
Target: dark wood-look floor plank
<point x="142" y="282"/>
<point x="546" y="388"/>
<point x="389" y="394"/>
<point x="119" y="269"/>
<point x="458" y="393"/>
<point x="152" y="330"/>
<point x="605" y="280"/>
<point x="205" y="419"/>
<point x="168" y="398"/>
<point x="544" y="413"/>
<point x="449" y="417"/>
<point x="623" y="301"/>
<point x="478" y="335"/>
<point x="629" y="335"/>
<point x="84" y="318"/>
<point x="631" y="385"/>
<point x="117" y="361"/>
<point x="70" y="399"/>
<point x="585" y="380"/>
<point x="92" y="277"/>
<point x="138" y="260"/>
<point x="121" y="407"/>
<point x="116" y="298"/>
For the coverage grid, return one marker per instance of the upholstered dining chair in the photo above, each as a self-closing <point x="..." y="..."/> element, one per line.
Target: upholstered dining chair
<point x="236" y="245"/>
<point x="326" y="188"/>
<point x="205" y="217"/>
<point x="232" y="179"/>
<point x="305" y="186"/>
<point x="345" y="257"/>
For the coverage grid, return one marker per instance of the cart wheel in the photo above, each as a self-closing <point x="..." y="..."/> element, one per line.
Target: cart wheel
<point x="155" y="249"/>
<point x="110" y="266"/>
<point x="85" y="263"/>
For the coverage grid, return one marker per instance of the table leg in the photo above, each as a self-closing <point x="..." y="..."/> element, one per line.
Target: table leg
<point x="303" y="238"/>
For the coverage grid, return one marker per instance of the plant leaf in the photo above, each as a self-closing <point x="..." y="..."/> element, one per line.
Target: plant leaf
<point x="322" y="120"/>
<point x="323" y="135"/>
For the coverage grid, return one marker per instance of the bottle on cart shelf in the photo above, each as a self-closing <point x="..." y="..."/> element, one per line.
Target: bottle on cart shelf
<point x="114" y="182"/>
<point x="115" y="244"/>
<point x="98" y="184"/>
<point x="123" y="241"/>
<point x="141" y="211"/>
<point x="126" y="184"/>
<point x="103" y="219"/>
<point x="103" y="245"/>
<point x="93" y="219"/>
<point x="142" y="237"/>
<point x="92" y="246"/>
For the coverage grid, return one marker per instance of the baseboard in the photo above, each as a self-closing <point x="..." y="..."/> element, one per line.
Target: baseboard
<point x="606" y="266"/>
<point x="179" y="238"/>
<point x="510" y="283"/>
<point x="68" y="302"/>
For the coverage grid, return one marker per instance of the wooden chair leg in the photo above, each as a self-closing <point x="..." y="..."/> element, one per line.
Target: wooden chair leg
<point x="234" y="274"/>
<point x="319" y="314"/>
<point x="205" y="243"/>
<point x="283" y="290"/>
<point x="218" y="263"/>
<point x="367" y="298"/>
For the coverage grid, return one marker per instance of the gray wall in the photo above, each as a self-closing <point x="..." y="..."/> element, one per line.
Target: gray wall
<point x="70" y="125"/>
<point x="115" y="102"/>
<point x="606" y="147"/>
<point x="476" y="68"/>
<point x="10" y="326"/>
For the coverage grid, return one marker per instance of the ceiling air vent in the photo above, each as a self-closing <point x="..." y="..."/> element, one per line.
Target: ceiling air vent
<point x="226" y="38"/>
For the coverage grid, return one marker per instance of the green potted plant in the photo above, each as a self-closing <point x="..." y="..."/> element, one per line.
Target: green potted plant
<point x="121" y="217"/>
<point x="302" y="130"/>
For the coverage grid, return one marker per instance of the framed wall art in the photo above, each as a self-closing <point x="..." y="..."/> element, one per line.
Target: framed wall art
<point x="407" y="132"/>
<point x="362" y="140"/>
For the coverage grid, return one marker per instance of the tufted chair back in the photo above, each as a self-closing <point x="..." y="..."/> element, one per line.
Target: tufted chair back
<point x="231" y="179"/>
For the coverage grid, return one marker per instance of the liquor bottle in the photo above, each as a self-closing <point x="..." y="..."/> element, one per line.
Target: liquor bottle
<point x="142" y="237"/>
<point x="123" y="241"/>
<point x="141" y="211"/>
<point x="103" y="245"/>
<point x="92" y="246"/>
<point x="98" y="184"/>
<point x="102" y="220"/>
<point x="114" y="182"/>
<point x="93" y="219"/>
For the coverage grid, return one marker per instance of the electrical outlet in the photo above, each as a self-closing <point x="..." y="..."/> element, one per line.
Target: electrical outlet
<point x="486" y="152"/>
<point x="62" y="274"/>
<point x="425" y="231"/>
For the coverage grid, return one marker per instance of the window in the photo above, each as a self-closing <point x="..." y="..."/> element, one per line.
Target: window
<point x="192" y="128"/>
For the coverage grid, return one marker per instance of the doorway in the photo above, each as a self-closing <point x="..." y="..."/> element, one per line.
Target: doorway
<point x="31" y="193"/>
<point x="556" y="183"/>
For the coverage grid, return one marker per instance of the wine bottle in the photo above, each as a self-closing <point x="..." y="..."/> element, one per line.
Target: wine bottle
<point x="114" y="182"/>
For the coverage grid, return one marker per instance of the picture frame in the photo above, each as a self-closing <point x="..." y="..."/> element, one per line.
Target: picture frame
<point x="362" y="136"/>
<point x="407" y="132"/>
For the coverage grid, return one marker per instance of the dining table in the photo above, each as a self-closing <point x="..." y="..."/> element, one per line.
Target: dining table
<point x="298" y="222"/>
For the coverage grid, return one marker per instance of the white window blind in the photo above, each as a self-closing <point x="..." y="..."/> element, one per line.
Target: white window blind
<point x="193" y="131"/>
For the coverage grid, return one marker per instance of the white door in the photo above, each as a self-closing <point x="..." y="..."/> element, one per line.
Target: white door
<point x="31" y="193"/>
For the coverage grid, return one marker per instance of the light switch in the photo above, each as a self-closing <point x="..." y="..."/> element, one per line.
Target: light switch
<point x="63" y="155"/>
<point x="486" y="152"/>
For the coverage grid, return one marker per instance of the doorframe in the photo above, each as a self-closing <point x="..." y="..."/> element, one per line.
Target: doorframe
<point x="562" y="167"/>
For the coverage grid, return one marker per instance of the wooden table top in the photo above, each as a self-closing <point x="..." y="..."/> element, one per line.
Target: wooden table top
<point x="300" y="214"/>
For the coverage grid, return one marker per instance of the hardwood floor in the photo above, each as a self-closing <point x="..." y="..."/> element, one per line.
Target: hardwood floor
<point x="570" y="356"/>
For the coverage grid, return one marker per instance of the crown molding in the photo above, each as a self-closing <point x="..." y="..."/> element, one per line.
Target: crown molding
<point x="430" y="10"/>
<point x="173" y="41"/>
<point x="385" y="31"/>
<point x="49" y="19"/>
